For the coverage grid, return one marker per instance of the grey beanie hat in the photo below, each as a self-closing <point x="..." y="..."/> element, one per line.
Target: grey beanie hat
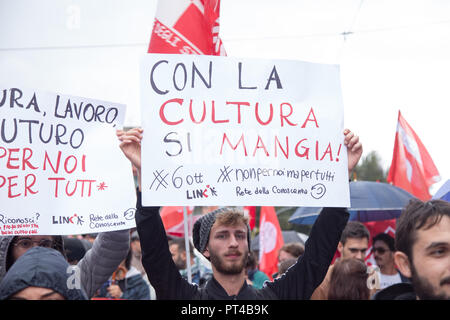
<point x="202" y="229"/>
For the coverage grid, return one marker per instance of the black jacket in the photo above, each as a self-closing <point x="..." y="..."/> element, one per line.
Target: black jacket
<point x="398" y="291"/>
<point x="297" y="283"/>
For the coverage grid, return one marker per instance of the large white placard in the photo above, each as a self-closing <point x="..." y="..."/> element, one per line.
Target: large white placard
<point x="228" y="131"/>
<point x="61" y="170"/>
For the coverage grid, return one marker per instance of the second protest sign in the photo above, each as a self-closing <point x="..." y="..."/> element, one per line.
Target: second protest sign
<point x="228" y="131"/>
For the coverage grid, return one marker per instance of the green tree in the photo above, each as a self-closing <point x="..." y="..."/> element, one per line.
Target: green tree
<point x="370" y="168"/>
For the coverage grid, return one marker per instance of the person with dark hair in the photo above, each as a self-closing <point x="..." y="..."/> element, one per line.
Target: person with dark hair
<point x="74" y="250"/>
<point x="200" y="274"/>
<point x="94" y="268"/>
<point x="126" y="283"/>
<point x="383" y="249"/>
<point x="255" y="276"/>
<point x="223" y="237"/>
<point x="354" y="243"/>
<point x="422" y="241"/>
<point x="39" y="274"/>
<point x="348" y="280"/>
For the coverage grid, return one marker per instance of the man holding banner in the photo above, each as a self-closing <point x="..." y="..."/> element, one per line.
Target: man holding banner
<point x="223" y="235"/>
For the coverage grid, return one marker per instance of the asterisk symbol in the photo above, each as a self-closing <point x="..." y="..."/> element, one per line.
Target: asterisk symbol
<point x="102" y="186"/>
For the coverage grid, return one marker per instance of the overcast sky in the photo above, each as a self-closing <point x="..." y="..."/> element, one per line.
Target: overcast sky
<point x="393" y="54"/>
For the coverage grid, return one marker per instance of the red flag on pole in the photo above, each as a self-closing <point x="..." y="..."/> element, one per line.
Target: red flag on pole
<point x="270" y="241"/>
<point x="187" y="27"/>
<point x="172" y="218"/>
<point x="250" y="212"/>
<point x="412" y="168"/>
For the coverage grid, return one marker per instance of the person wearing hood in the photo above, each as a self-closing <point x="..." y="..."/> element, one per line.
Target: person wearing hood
<point x="97" y="265"/>
<point x="39" y="274"/>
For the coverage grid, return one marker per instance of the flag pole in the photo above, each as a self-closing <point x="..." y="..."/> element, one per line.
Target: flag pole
<point x="186" y="243"/>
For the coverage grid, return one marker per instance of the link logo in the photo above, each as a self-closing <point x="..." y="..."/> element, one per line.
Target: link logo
<point x="75" y="219"/>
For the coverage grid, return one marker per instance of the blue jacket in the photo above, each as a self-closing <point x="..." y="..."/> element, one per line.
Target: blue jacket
<point x="133" y="287"/>
<point x="39" y="267"/>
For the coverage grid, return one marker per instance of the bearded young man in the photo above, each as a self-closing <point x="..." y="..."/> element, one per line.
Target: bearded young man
<point x="223" y="237"/>
<point x="422" y="241"/>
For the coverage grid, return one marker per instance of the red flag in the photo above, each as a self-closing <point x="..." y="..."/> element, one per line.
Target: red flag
<point x="270" y="241"/>
<point x="250" y="212"/>
<point x="172" y="218"/>
<point x="412" y="168"/>
<point x="187" y="27"/>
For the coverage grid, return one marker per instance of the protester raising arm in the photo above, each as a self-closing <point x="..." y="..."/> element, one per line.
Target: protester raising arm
<point x="229" y="244"/>
<point x="300" y="281"/>
<point x="99" y="263"/>
<point x="156" y="257"/>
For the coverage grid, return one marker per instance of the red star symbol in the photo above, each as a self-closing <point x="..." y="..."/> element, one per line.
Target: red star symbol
<point x="102" y="186"/>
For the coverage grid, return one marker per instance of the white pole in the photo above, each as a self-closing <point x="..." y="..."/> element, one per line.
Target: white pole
<point x="186" y="243"/>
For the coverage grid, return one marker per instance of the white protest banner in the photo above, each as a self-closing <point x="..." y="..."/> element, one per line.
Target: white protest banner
<point x="61" y="169"/>
<point x="228" y="131"/>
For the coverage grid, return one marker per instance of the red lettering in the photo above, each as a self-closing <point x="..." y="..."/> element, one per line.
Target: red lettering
<point x="72" y="192"/>
<point x="66" y="164"/>
<point x="311" y="112"/>
<point x="339" y="151"/>
<point x="192" y="114"/>
<point x="162" y="115"/>
<point x="259" y="119"/>
<point x="239" y="108"/>
<point x="74" y="189"/>
<point x="4" y="152"/>
<point x="260" y="146"/>
<point x="214" y="114"/>
<point x="10" y="195"/>
<point x="285" y="117"/>
<point x="317" y="150"/>
<point x="28" y="186"/>
<point x="233" y="147"/>
<point x="47" y="159"/>
<point x="56" y="184"/>
<point x="25" y="159"/>
<point x="327" y="151"/>
<point x="285" y="152"/>
<point x="83" y="163"/>
<point x="82" y="186"/>
<point x="10" y="158"/>
<point x="304" y="154"/>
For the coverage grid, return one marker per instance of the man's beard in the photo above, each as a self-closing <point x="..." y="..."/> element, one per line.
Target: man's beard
<point x="235" y="268"/>
<point x="424" y="289"/>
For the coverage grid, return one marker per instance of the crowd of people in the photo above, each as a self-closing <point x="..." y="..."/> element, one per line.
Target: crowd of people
<point x="146" y="264"/>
